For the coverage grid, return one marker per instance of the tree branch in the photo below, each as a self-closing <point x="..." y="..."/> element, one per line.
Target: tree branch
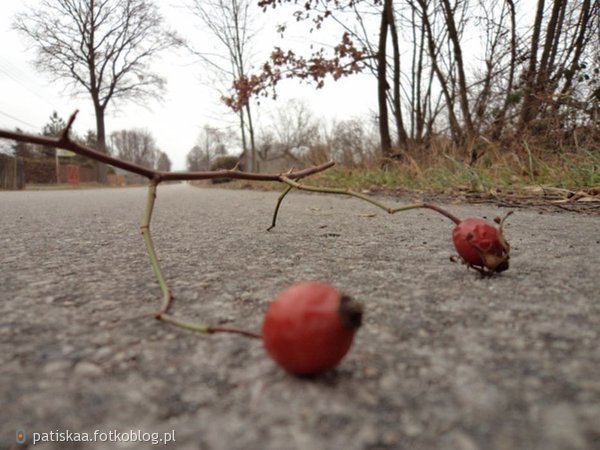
<point x="65" y="143"/>
<point x="325" y="190"/>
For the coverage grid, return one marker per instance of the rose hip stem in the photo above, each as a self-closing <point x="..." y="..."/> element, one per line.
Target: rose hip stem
<point x="204" y="328"/>
<point x="443" y="212"/>
<point x="145" y="230"/>
<point x="167" y="299"/>
<point x="324" y="190"/>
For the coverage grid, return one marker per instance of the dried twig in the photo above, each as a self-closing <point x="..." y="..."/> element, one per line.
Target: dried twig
<point x="324" y="190"/>
<point x="155" y="177"/>
<point x="64" y="142"/>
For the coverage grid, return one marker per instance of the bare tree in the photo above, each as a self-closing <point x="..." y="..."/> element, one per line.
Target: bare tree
<point x="506" y="64"/>
<point x="451" y="14"/>
<point x="341" y="60"/>
<point x="99" y="47"/>
<point x="211" y="143"/>
<point x="229" y="22"/>
<point x="472" y="68"/>
<point x="196" y="160"/>
<point x="352" y="143"/>
<point x="214" y="141"/>
<point x="136" y="146"/>
<point x="557" y="53"/>
<point x="163" y="163"/>
<point x="293" y="135"/>
<point x="296" y="129"/>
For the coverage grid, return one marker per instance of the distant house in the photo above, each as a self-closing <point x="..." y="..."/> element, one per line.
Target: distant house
<point x="279" y="159"/>
<point x="122" y="177"/>
<point x="279" y="162"/>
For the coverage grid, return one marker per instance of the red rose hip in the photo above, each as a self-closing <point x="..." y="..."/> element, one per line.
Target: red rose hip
<point x="481" y="245"/>
<point x="309" y="327"/>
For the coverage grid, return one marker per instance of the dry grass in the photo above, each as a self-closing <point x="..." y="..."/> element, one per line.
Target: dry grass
<point x="491" y="172"/>
<point x="494" y="171"/>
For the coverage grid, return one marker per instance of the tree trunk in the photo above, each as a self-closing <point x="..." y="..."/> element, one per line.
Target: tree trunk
<point x="460" y="68"/>
<point x="455" y="129"/>
<point x="99" y="106"/>
<point x="528" y="107"/>
<point x="244" y="156"/>
<point x="578" y="46"/>
<point x="396" y="101"/>
<point x="382" y="84"/>
<point x="500" y="119"/>
<point x="101" y="169"/>
<point x="417" y="101"/>
<point x="558" y="34"/>
<point x="549" y="50"/>
<point x="253" y="155"/>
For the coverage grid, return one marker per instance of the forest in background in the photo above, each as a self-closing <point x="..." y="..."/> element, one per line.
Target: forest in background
<point x="474" y="84"/>
<point x="463" y="74"/>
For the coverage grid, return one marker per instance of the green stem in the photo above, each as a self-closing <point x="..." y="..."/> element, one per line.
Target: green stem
<point x="279" y="200"/>
<point x="348" y="192"/>
<point x="324" y="190"/>
<point x="161" y="314"/>
<point x="145" y="229"/>
<point x="443" y="212"/>
<point x="204" y="328"/>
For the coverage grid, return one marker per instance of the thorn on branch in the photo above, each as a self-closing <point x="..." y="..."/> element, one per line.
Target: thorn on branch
<point x="64" y="134"/>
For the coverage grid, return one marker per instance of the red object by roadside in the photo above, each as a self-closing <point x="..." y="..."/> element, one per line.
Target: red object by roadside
<point x="481" y="244"/>
<point x="73" y="174"/>
<point x="309" y="327"/>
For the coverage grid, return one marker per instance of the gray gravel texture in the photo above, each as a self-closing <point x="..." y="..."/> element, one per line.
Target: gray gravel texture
<point x="445" y="359"/>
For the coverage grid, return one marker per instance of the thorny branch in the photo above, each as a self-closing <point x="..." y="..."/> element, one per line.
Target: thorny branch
<point x="155" y="177"/>
<point x="290" y="179"/>
<point x="64" y="142"/>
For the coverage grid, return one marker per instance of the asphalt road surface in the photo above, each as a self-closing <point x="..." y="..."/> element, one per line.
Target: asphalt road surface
<point x="445" y="359"/>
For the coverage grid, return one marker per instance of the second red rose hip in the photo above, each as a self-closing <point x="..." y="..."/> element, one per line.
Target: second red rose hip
<point x="309" y="327"/>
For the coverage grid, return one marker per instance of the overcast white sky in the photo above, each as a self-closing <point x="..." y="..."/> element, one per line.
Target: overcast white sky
<point x="27" y="99"/>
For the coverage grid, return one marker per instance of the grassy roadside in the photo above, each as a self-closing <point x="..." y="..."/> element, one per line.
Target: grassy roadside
<point x="448" y="175"/>
<point x="562" y="174"/>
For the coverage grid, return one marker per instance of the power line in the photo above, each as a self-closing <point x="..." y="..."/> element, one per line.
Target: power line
<point x="18" y="120"/>
<point x="17" y="76"/>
